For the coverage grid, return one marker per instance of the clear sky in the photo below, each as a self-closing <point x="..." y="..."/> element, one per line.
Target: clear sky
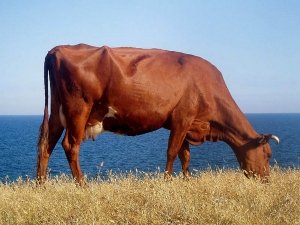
<point x="255" y="44"/>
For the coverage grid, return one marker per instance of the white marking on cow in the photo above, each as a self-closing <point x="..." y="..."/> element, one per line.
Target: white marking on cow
<point x="93" y="131"/>
<point x="62" y="117"/>
<point x="111" y="112"/>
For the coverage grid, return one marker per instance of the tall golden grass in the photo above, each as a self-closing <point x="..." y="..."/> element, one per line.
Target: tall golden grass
<point x="209" y="197"/>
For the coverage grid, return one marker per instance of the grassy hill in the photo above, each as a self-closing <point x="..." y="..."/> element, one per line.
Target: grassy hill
<point x="209" y="197"/>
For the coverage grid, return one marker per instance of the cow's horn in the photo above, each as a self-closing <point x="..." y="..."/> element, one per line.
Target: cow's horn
<point x="274" y="137"/>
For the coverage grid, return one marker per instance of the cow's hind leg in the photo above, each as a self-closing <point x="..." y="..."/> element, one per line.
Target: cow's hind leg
<point x="71" y="145"/>
<point x="55" y="131"/>
<point x="71" y="142"/>
<point x="185" y="156"/>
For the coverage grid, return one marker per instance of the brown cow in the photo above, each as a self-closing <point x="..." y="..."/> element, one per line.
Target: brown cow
<point x="133" y="91"/>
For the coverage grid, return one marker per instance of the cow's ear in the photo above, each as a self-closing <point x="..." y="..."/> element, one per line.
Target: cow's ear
<point x="265" y="138"/>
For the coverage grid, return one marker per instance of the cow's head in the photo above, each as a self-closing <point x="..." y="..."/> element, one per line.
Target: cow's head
<point x="254" y="157"/>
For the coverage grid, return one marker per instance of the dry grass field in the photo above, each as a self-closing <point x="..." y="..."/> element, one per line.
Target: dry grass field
<point x="209" y="197"/>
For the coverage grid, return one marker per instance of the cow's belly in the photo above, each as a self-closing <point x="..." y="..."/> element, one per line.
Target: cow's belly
<point x="128" y="123"/>
<point x="120" y="126"/>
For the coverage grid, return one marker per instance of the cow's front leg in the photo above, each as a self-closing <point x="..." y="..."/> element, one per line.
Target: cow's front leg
<point x="185" y="157"/>
<point x="175" y="142"/>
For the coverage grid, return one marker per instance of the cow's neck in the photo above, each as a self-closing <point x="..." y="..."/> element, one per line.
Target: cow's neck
<point x="234" y="129"/>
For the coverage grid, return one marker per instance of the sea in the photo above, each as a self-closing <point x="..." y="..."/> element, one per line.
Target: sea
<point x="111" y="153"/>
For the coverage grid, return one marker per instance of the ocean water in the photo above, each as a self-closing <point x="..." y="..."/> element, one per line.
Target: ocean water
<point x="18" y="151"/>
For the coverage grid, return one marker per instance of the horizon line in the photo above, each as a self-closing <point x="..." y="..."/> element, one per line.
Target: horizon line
<point x="243" y="113"/>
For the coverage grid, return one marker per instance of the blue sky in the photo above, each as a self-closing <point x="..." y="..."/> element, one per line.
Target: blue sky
<point x="255" y="44"/>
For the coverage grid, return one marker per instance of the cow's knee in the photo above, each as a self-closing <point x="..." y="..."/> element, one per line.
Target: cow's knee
<point x="70" y="148"/>
<point x="65" y="144"/>
<point x="184" y="156"/>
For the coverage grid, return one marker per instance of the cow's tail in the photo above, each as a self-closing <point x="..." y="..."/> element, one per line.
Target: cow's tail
<point x="44" y="129"/>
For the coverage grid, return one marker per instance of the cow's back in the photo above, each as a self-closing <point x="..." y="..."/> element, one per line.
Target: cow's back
<point x="144" y="88"/>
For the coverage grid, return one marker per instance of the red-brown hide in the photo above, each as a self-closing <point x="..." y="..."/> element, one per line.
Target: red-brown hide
<point x="133" y="91"/>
